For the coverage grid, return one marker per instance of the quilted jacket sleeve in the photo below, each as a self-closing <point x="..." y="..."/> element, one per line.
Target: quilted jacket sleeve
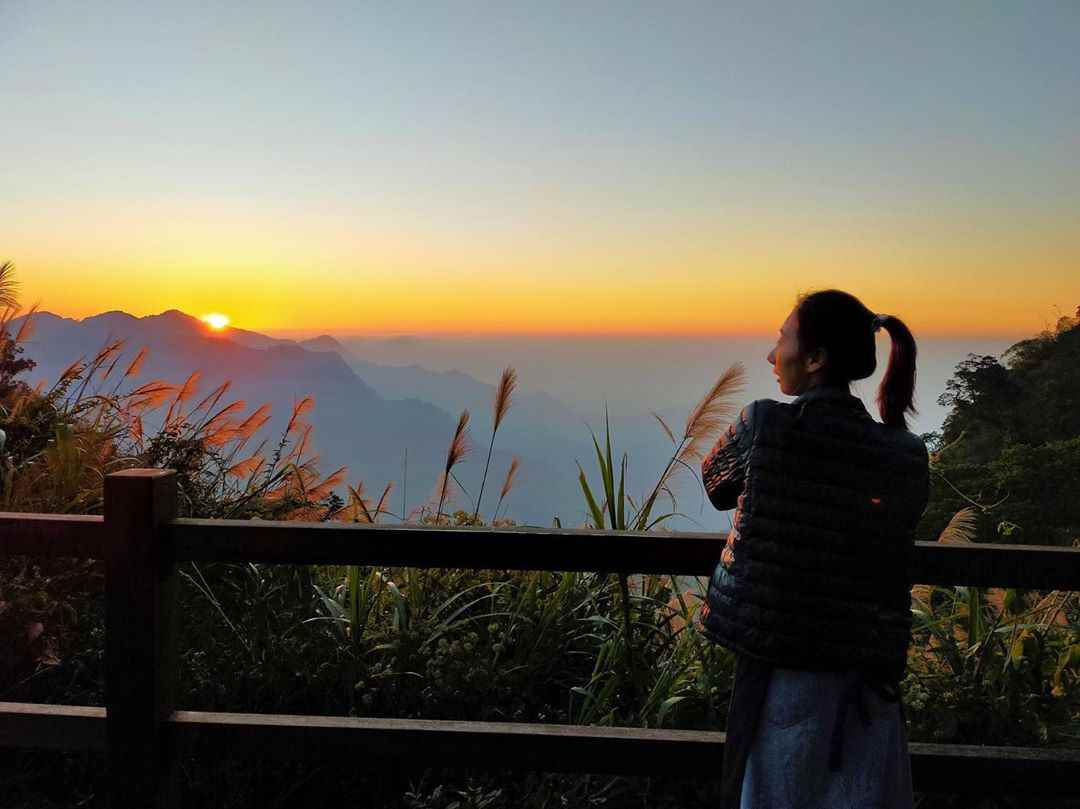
<point x="724" y="469"/>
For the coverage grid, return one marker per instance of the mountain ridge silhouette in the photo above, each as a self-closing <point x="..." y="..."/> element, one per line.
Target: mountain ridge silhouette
<point x="366" y="415"/>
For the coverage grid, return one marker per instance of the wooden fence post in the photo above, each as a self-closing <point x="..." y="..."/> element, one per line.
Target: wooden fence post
<point x="140" y="649"/>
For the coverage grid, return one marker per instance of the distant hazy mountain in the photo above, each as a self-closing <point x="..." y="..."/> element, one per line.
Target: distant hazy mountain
<point x="546" y="433"/>
<point x="368" y="427"/>
<point x="323" y="342"/>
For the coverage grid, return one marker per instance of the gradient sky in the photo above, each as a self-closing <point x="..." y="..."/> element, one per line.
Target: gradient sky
<point x="479" y="167"/>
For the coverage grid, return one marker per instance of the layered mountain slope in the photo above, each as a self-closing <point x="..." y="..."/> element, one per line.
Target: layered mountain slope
<point x="368" y="427"/>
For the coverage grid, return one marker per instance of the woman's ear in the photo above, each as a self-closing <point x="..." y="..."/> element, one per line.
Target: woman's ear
<point x="815" y="360"/>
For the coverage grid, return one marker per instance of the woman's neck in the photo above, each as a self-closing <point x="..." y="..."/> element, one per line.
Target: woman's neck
<point x="821" y="383"/>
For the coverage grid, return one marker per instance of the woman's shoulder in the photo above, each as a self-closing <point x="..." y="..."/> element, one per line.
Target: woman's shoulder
<point x="914" y="444"/>
<point x="903" y="443"/>
<point x="782" y="415"/>
<point x="755" y="413"/>
<point x="760" y="407"/>
<point x="759" y="410"/>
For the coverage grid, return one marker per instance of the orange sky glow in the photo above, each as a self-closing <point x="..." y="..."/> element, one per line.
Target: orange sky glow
<point x="521" y="171"/>
<point x="728" y="290"/>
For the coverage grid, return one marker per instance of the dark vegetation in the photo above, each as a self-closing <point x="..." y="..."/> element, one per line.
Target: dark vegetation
<point x="986" y="666"/>
<point x="1010" y="447"/>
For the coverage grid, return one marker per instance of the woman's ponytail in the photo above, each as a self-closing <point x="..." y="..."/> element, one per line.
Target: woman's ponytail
<point x="841" y="324"/>
<point x="896" y="394"/>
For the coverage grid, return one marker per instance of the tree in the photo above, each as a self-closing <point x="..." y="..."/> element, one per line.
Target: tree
<point x="1009" y="446"/>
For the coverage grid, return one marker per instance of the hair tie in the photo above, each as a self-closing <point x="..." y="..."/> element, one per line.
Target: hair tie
<point x="879" y="321"/>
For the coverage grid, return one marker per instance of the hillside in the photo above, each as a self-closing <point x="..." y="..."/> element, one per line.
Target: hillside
<point x="1011" y="441"/>
<point x="366" y="416"/>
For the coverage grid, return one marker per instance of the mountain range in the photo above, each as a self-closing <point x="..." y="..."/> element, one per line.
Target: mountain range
<point x="383" y="422"/>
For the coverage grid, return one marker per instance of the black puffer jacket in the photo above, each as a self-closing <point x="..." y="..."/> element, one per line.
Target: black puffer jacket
<point x="814" y="574"/>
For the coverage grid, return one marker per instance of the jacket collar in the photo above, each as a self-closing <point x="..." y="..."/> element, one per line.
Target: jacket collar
<point x="833" y="394"/>
<point x="823" y="392"/>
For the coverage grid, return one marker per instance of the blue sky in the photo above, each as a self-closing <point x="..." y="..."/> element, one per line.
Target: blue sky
<point x="885" y="147"/>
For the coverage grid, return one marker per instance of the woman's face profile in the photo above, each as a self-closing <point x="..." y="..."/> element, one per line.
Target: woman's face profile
<point x="789" y="365"/>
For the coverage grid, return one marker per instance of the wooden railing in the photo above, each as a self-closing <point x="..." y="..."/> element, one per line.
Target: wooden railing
<point x="143" y="735"/>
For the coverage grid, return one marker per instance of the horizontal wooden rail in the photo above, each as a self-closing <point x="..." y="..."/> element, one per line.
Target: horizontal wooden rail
<point x="437" y="743"/>
<point x="582" y="749"/>
<point x="989" y="564"/>
<point x="680" y="553"/>
<point x="981" y="769"/>
<point x="563" y="549"/>
<point x="52" y="535"/>
<point x="683" y="553"/>
<point x="52" y="727"/>
<point x="502" y="745"/>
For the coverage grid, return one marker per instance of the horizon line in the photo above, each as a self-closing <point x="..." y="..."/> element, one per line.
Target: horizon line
<point x="341" y="334"/>
<point x="352" y="332"/>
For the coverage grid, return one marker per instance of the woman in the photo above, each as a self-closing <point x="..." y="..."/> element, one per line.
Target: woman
<point x="812" y="589"/>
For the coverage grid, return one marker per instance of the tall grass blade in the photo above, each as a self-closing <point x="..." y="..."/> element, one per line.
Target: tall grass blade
<point x="594" y="509"/>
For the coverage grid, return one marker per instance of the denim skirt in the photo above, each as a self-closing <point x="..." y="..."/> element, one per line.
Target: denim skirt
<point x="787" y="766"/>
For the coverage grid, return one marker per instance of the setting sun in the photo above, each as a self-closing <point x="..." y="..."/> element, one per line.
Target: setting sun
<point x="216" y="321"/>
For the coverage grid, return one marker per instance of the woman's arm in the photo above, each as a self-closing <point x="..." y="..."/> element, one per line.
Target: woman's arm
<point x="724" y="469"/>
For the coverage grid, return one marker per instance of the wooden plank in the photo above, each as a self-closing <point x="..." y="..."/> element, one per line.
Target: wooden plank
<point x="494" y="745"/>
<point x="140" y="631"/>
<point x="52" y="535"/>
<point x="986" y="564"/>
<point x="426" y="546"/>
<point x="973" y="769"/>
<point x="986" y="769"/>
<point x="573" y="748"/>
<point x="686" y="553"/>
<point x="52" y="727"/>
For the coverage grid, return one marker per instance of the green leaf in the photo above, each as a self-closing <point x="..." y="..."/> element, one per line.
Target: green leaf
<point x="621" y="523"/>
<point x="597" y="514"/>
<point x="609" y="476"/>
<point x="599" y="457"/>
<point x="1011" y="600"/>
<point x="401" y="607"/>
<point x="660" y="519"/>
<point x="354" y="601"/>
<point x="976" y="622"/>
<point x="641" y="519"/>
<point x="665" y="708"/>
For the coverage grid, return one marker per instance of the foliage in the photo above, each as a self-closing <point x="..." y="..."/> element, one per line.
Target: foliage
<point x="617" y="685"/>
<point x="1013" y="651"/>
<point x="1009" y="446"/>
<point x="992" y="665"/>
